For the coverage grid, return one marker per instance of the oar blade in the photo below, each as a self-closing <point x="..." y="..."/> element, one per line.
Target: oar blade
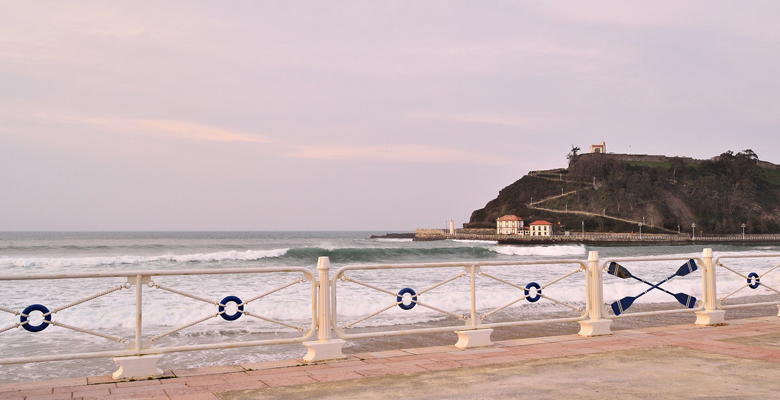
<point x="686" y="300"/>
<point x="620" y="306"/>
<point x="618" y="270"/>
<point x="687" y="268"/>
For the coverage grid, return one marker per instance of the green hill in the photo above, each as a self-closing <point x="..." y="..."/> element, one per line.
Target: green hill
<point x="717" y="194"/>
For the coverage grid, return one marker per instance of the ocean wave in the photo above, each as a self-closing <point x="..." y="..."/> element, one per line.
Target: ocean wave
<point x="475" y="241"/>
<point x="562" y="250"/>
<point x="303" y="255"/>
<point x="59" y="262"/>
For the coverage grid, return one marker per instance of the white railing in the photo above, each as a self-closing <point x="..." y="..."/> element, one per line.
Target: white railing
<point x="407" y="298"/>
<point x="141" y="350"/>
<point x="229" y="308"/>
<point x="753" y="280"/>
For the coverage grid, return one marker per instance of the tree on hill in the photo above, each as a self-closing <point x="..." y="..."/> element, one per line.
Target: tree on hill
<point x="573" y="154"/>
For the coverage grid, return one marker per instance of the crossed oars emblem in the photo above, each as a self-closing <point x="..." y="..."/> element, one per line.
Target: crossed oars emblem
<point x="620" y="306"/>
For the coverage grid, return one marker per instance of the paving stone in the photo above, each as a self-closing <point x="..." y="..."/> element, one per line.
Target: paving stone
<point x="271" y="364"/>
<point x="328" y="376"/>
<point x="285" y="380"/>
<point x="207" y="370"/>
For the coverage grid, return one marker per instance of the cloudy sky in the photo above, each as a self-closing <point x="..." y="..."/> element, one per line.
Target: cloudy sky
<point x="388" y="115"/>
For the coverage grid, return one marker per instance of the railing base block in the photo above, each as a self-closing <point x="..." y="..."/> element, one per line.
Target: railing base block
<point x="706" y="318"/>
<point x="323" y="350"/>
<point x="473" y="338"/>
<point x="778" y="310"/>
<point x="137" y="366"/>
<point x="595" y="327"/>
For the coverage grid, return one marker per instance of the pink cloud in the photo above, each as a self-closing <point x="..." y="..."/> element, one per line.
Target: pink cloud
<point x="160" y="127"/>
<point x="397" y="153"/>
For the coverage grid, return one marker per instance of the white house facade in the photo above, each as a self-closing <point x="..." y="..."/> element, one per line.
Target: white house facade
<point x="509" y="225"/>
<point x="540" y="228"/>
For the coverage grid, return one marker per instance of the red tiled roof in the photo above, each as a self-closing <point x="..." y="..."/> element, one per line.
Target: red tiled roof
<point x="510" y="217"/>
<point x="540" y="222"/>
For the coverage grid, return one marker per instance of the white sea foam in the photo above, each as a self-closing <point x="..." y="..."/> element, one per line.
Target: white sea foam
<point x="61" y="262"/>
<point x="393" y="239"/>
<point x="475" y="241"/>
<point x="563" y="250"/>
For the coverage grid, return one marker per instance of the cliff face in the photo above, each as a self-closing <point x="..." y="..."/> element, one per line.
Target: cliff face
<point x="619" y="190"/>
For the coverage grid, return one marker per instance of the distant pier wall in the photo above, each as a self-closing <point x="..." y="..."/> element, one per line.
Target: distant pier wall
<point x="587" y="237"/>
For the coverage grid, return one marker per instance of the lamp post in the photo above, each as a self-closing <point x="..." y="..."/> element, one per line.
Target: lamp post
<point x="678" y="229"/>
<point x="583" y="228"/>
<point x="640" y="230"/>
<point x="743" y="231"/>
<point x="693" y="231"/>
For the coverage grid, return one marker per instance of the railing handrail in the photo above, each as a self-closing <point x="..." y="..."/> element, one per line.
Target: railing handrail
<point x="456" y="264"/>
<point x="773" y="255"/>
<point x="607" y="261"/>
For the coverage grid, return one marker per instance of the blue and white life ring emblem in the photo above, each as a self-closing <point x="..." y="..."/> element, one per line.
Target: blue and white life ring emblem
<point x="400" y="298"/>
<point x="23" y="319"/>
<point x="231" y="317"/>
<point x="753" y="280"/>
<point x="537" y="289"/>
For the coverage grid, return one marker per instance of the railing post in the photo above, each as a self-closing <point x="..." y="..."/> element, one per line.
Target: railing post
<point x="595" y="325"/>
<point x="473" y="337"/>
<point x="325" y="347"/>
<point x="138" y="365"/>
<point x="711" y="315"/>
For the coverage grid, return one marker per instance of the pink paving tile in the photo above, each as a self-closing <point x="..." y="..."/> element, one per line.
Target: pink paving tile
<point x="344" y="364"/>
<point x="389" y="353"/>
<point x="272" y="364"/>
<point x="93" y="380"/>
<point x="138" y="396"/>
<point x="519" y="342"/>
<point x="36" y="392"/>
<point x="207" y="370"/>
<point x="227" y="387"/>
<point x="440" y="365"/>
<point x="147" y="389"/>
<point x="87" y="391"/>
<point x="481" y="350"/>
<point x="83" y="388"/>
<point x="489" y="361"/>
<point x="11" y="396"/>
<point x="195" y="396"/>
<point x="286" y="380"/>
<point x="138" y="383"/>
<point x="52" y="396"/>
<point x="181" y="392"/>
<point x="273" y="372"/>
<point x="430" y="350"/>
<point x="205" y="380"/>
<point x="407" y="369"/>
<point x="322" y="376"/>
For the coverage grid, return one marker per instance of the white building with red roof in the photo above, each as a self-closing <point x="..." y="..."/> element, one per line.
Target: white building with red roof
<point x="509" y="225"/>
<point x="540" y="228"/>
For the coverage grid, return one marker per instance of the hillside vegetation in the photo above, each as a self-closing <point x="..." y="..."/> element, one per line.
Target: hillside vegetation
<point x="717" y="194"/>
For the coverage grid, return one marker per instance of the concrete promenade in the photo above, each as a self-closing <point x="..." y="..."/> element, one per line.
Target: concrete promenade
<point x="737" y="360"/>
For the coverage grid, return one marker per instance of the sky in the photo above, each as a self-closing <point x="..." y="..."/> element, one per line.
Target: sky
<point x="356" y="115"/>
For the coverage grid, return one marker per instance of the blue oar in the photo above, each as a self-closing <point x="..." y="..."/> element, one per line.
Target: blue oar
<point x="622" y="272"/>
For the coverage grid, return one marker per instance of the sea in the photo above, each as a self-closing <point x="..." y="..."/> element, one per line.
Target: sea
<point x="283" y="306"/>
